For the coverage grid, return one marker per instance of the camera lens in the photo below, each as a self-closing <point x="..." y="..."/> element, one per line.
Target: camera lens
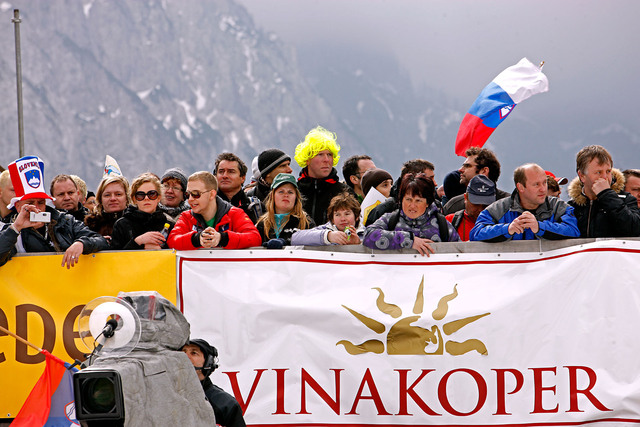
<point x="99" y="395"/>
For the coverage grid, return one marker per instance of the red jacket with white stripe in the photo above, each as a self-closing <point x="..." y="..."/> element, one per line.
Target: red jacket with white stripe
<point x="236" y="229"/>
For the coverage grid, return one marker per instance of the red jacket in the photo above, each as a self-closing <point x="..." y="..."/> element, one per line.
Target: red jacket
<point x="464" y="227"/>
<point x="236" y="229"/>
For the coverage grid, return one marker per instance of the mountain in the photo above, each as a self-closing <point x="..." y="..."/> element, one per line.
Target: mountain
<point x="165" y="83"/>
<point x="154" y="84"/>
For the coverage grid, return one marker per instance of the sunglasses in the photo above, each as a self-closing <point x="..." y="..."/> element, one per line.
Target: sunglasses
<point x="140" y="195"/>
<point x="195" y="194"/>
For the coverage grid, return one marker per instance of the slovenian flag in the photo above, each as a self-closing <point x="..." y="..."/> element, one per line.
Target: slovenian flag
<point x="50" y="402"/>
<point x="497" y="100"/>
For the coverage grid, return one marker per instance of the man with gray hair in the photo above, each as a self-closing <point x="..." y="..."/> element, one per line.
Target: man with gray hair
<point x="528" y="214"/>
<point x="602" y="207"/>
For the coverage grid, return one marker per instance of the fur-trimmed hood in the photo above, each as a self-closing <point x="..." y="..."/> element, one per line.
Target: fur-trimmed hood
<point x="577" y="195"/>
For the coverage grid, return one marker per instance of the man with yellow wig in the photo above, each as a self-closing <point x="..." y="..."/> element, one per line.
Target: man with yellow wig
<point x="318" y="155"/>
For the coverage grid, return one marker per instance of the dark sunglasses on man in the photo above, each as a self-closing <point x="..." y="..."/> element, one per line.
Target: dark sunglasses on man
<point x="195" y="194"/>
<point x="140" y="195"/>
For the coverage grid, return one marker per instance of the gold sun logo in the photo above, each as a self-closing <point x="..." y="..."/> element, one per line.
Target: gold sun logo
<point x="405" y="338"/>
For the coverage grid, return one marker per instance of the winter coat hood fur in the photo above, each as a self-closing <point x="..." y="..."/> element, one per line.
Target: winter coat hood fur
<point x="576" y="192"/>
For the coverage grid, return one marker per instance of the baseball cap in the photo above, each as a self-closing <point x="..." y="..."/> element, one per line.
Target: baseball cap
<point x="481" y="190"/>
<point x="283" y="178"/>
<point x="561" y="181"/>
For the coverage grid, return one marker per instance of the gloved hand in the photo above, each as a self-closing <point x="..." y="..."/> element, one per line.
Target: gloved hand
<point x="275" y="244"/>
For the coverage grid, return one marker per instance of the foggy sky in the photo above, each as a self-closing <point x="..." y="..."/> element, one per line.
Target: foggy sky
<point x="589" y="47"/>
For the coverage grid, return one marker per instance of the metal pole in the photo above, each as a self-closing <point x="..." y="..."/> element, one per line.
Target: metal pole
<point x="16" y="21"/>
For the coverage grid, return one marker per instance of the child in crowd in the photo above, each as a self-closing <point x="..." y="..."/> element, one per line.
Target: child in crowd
<point x="379" y="179"/>
<point x="376" y="185"/>
<point x="343" y="214"/>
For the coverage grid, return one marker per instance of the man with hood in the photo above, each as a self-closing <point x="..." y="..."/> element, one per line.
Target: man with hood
<point x="601" y="205"/>
<point x="318" y="181"/>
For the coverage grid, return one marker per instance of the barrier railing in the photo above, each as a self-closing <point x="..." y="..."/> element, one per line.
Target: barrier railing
<point x="296" y="328"/>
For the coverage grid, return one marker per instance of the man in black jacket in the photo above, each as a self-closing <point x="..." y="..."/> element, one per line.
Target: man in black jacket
<point x="318" y="182"/>
<point x="600" y="204"/>
<point x="66" y="196"/>
<point x="231" y="172"/>
<point x="59" y="233"/>
<point x="205" y="359"/>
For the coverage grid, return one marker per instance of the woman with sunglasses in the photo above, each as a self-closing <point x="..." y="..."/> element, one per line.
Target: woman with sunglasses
<point x="142" y="224"/>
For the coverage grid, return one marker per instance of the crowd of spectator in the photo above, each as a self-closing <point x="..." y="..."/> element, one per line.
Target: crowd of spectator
<point x="276" y="209"/>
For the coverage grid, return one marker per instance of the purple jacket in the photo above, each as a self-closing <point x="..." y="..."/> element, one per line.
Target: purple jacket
<point x="378" y="235"/>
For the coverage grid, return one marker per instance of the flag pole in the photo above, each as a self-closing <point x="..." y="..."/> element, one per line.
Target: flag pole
<point x="16" y="21"/>
<point x="22" y="340"/>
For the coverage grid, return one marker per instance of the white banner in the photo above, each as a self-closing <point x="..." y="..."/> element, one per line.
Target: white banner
<point x="317" y="338"/>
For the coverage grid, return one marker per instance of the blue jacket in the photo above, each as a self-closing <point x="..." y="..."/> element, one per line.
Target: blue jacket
<point x="555" y="220"/>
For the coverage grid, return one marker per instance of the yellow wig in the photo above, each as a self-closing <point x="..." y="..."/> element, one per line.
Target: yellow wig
<point x="317" y="140"/>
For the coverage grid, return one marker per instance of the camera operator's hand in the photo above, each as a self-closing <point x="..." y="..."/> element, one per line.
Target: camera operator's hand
<point x="22" y="220"/>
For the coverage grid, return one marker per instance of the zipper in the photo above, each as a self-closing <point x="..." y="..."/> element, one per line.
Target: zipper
<point x="589" y="219"/>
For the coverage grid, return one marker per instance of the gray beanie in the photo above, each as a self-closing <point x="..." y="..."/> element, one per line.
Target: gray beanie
<point x="175" y="173"/>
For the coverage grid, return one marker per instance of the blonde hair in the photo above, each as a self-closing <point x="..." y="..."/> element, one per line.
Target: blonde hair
<point x="269" y="218"/>
<point x="207" y="178"/>
<point x="5" y="178"/>
<point x="99" y="209"/>
<point x="143" y="178"/>
<point x="317" y="140"/>
<point x="82" y="186"/>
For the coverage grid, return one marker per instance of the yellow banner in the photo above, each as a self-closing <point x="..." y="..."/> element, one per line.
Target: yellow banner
<point x="40" y="301"/>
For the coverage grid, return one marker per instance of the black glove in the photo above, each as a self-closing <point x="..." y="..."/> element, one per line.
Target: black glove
<point x="275" y="244"/>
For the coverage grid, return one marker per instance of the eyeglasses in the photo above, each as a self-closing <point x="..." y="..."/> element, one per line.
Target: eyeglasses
<point x="195" y="193"/>
<point x="140" y="195"/>
<point x="172" y="187"/>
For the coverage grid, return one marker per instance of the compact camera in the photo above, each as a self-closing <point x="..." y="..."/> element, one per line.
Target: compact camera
<point x="40" y="217"/>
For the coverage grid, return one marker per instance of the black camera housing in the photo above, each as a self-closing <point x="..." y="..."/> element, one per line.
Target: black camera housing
<point x="99" y="397"/>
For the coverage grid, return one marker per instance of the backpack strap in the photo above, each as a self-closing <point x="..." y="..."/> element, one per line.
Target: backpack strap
<point x="457" y="219"/>
<point x="443" y="227"/>
<point x="393" y="221"/>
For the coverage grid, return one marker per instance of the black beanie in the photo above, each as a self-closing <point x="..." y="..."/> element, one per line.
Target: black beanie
<point x="372" y="178"/>
<point x="269" y="159"/>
